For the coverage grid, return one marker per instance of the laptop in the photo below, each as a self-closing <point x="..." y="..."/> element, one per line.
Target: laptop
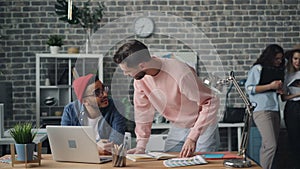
<point x="74" y="144"/>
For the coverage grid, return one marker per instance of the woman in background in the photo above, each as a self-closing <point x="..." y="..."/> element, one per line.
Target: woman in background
<point x="263" y="85"/>
<point x="292" y="106"/>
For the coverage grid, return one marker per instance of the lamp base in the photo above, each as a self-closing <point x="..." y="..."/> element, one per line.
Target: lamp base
<point x="237" y="163"/>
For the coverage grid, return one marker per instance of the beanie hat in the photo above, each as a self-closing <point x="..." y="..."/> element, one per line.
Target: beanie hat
<point x="80" y="84"/>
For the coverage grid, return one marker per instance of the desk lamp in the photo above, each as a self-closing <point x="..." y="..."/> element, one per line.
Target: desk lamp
<point x="244" y="162"/>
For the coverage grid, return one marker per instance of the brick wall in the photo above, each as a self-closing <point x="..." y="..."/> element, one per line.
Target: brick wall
<point x="226" y="34"/>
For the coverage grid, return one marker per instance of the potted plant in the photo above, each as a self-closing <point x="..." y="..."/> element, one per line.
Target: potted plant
<point x="55" y="42"/>
<point x="23" y="135"/>
<point x="87" y="16"/>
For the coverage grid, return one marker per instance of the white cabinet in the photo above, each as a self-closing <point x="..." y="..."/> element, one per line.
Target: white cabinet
<point x="56" y="92"/>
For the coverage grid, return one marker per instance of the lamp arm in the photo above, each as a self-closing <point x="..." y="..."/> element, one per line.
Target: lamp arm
<point x="247" y="118"/>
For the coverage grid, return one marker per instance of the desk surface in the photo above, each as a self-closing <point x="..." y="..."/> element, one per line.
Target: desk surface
<point x="48" y="163"/>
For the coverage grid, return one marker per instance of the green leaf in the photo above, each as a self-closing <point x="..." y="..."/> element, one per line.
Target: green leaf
<point x="22" y="133"/>
<point x="59" y="6"/>
<point x="87" y="17"/>
<point x="55" y="40"/>
<point x="61" y="9"/>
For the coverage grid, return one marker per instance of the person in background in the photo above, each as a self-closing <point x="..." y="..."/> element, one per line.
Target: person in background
<point x="94" y="108"/>
<point x="264" y="85"/>
<point x="174" y="90"/>
<point x="292" y="106"/>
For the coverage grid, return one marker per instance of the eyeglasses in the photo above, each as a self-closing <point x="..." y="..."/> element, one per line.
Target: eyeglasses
<point x="98" y="92"/>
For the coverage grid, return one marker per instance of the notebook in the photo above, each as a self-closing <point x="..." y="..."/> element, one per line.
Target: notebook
<point x="74" y="144"/>
<point x="219" y="155"/>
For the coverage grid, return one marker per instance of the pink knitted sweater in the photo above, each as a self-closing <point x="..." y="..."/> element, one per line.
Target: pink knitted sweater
<point x="179" y="95"/>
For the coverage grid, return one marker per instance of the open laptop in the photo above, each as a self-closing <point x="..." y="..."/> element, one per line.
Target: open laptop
<point x="74" y="144"/>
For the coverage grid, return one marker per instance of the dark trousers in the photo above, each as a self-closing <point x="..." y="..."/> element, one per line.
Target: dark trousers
<point x="292" y="122"/>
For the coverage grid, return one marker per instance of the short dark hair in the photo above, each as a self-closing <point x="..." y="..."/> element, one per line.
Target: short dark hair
<point x="132" y="53"/>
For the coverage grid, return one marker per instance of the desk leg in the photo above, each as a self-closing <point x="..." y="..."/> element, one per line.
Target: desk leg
<point x="239" y="135"/>
<point x="229" y="138"/>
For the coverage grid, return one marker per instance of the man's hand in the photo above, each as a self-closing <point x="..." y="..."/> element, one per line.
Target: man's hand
<point x="136" y="150"/>
<point x="188" y="148"/>
<point x="104" y="147"/>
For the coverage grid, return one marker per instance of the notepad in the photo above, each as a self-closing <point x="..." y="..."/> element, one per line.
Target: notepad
<point x="149" y="156"/>
<point x="213" y="156"/>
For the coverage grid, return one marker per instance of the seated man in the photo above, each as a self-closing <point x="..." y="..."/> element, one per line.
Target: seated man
<point x="94" y="108"/>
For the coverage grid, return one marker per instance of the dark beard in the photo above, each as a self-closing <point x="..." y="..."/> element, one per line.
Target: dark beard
<point x="140" y="75"/>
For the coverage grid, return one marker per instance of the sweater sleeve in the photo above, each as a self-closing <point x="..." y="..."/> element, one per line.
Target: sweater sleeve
<point x="207" y="101"/>
<point x="144" y="114"/>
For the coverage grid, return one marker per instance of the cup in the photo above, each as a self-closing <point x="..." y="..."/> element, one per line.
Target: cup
<point x="47" y="82"/>
<point x="58" y="113"/>
<point x="127" y="140"/>
<point x="118" y="155"/>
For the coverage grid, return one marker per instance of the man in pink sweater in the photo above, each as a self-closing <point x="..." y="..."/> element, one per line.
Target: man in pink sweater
<point x="174" y="90"/>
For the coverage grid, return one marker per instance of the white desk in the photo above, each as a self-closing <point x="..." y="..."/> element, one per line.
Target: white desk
<point x="161" y="126"/>
<point x="40" y="137"/>
<point x="239" y="127"/>
<point x="239" y="132"/>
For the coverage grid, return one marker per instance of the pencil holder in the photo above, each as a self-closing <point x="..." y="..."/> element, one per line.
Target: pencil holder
<point x="118" y="155"/>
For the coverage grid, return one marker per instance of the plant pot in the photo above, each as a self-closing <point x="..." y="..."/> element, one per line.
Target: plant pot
<point x="54" y="49"/>
<point x="25" y="151"/>
<point x="73" y="50"/>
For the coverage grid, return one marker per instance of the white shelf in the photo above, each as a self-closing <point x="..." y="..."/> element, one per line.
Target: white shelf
<point x="68" y="56"/>
<point x="55" y="87"/>
<point x="230" y="125"/>
<point x="156" y="137"/>
<point x="161" y="125"/>
<point x="61" y="85"/>
<point x="51" y="117"/>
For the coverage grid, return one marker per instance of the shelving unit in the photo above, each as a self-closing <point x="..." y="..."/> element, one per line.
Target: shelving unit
<point x="58" y="68"/>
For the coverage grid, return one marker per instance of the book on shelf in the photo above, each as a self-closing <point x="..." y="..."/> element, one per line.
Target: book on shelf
<point x="75" y="73"/>
<point x="150" y="156"/>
